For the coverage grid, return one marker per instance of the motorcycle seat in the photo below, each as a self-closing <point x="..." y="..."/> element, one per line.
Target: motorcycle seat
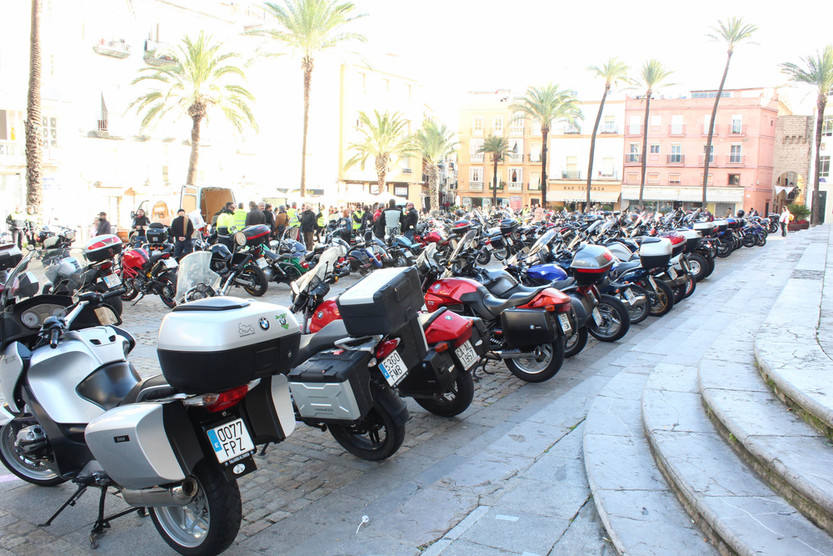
<point x="153" y="388"/>
<point x="425" y="319"/>
<point x="489" y="307"/>
<point x="563" y="284"/>
<point x="321" y="340"/>
<point x="620" y="268"/>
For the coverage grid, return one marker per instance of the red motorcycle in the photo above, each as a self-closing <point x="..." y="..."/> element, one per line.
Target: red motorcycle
<point x="149" y="271"/>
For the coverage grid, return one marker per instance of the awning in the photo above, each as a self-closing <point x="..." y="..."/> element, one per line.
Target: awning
<point x="714" y="194"/>
<point x="572" y="196"/>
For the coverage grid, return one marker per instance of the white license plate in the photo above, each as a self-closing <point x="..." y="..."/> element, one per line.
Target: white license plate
<point x="597" y="316"/>
<point x="466" y="355"/>
<point x="261" y="263"/>
<point x="393" y="368"/>
<point x="672" y="273"/>
<point x="629" y="295"/>
<point x="111" y="280"/>
<point x="230" y="440"/>
<point x="566" y="327"/>
<point x="170" y="263"/>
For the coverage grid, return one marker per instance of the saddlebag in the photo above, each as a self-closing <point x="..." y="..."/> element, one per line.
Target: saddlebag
<point x="268" y="410"/>
<point x="382" y="302"/>
<point x="433" y="375"/>
<point x="528" y="327"/>
<point x="332" y="386"/>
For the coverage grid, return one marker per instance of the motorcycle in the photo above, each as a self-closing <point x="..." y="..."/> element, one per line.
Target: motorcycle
<point x="238" y="268"/>
<point x="149" y="271"/>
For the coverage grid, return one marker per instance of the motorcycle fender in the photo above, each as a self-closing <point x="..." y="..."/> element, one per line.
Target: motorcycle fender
<point x="391" y="403"/>
<point x="582" y="313"/>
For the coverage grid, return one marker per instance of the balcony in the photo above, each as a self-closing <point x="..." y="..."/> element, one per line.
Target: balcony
<point x="609" y="131"/>
<point x="570" y="174"/>
<point x="476" y="186"/>
<point x="736" y="130"/>
<point x="735" y="160"/>
<point x="571" y="131"/>
<point x="12" y="151"/>
<point x="703" y="160"/>
<point x="534" y="157"/>
<point x="516" y="186"/>
<point x="516" y="131"/>
<point x="517" y="157"/>
<point x="117" y="48"/>
<point x="477" y="132"/>
<point x="534" y="186"/>
<point x="632" y="159"/>
<point x="716" y="133"/>
<point x="676" y="159"/>
<point x="477" y="157"/>
<point x="676" y="130"/>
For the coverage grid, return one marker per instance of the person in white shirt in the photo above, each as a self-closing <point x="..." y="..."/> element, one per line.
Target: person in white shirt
<point x="784" y="219"/>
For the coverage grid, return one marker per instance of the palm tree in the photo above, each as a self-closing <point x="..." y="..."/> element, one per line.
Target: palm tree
<point x="33" y="117"/>
<point x="732" y="31"/>
<point x="434" y="142"/>
<point x="612" y="72"/>
<point x="817" y="71"/>
<point x="653" y="74"/>
<point x="309" y="27"/>
<point x="544" y="105"/>
<point x="202" y="76"/>
<point x="383" y="137"/>
<point x="498" y="147"/>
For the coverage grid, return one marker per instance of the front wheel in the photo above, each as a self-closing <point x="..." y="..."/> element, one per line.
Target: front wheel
<point x="209" y="523"/>
<point x="615" y="320"/>
<point x="130" y="289"/>
<point x="575" y="342"/>
<point x="663" y="299"/>
<point x="31" y="469"/>
<point x="699" y="266"/>
<point x="376" y="437"/>
<point x="484" y="257"/>
<point x="453" y="402"/>
<point x="540" y="364"/>
<point x="639" y="311"/>
<point x="167" y="291"/>
<point x="253" y="280"/>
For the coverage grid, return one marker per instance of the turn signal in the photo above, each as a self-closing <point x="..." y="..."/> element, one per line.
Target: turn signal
<point x="441" y="347"/>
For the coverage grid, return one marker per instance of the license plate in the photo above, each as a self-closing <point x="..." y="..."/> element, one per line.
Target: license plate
<point x="230" y="440"/>
<point x="566" y="327"/>
<point x="597" y="316"/>
<point x="629" y="295"/>
<point x="262" y="263"/>
<point x="466" y="355"/>
<point x="111" y="280"/>
<point x="393" y="368"/>
<point x="672" y="273"/>
<point x="170" y="263"/>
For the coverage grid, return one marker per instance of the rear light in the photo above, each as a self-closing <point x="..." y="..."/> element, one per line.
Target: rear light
<point x="305" y="264"/>
<point x="441" y="347"/>
<point x="218" y="402"/>
<point x="464" y="337"/>
<point x="386" y="348"/>
<point x="562" y="307"/>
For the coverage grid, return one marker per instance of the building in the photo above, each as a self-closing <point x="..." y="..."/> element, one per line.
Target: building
<point x="519" y="175"/>
<point x="826" y="150"/>
<point x="791" y="160"/>
<point x="741" y="161"/>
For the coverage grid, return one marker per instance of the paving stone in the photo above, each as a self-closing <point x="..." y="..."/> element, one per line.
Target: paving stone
<point x="517" y="532"/>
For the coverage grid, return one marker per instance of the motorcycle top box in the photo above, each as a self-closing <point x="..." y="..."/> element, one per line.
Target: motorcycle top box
<point x="256" y="235"/>
<point x="215" y="344"/>
<point x="10" y="255"/>
<point x="692" y="239"/>
<point x="591" y="263"/>
<point x="678" y="243"/>
<point x="382" y="302"/>
<point x="705" y="227"/>
<point x="655" y="252"/>
<point x="722" y="225"/>
<point x="156" y="233"/>
<point x="101" y="248"/>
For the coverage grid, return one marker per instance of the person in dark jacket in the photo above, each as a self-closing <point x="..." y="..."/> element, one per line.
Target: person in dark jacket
<point x="181" y="230"/>
<point x="103" y="226"/>
<point x="409" y="221"/>
<point x="269" y="216"/>
<point x="254" y="216"/>
<point x="393" y="219"/>
<point x="308" y="219"/>
<point x="281" y="221"/>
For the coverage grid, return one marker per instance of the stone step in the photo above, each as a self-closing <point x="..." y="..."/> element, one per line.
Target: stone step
<point x="738" y="511"/>
<point x="640" y="513"/>
<point x="793" y="457"/>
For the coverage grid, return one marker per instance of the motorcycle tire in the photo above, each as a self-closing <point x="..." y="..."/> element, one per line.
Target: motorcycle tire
<point x="748" y="240"/>
<point x="710" y="260"/>
<point x="761" y="240"/>
<point x="500" y="254"/>
<point x="290" y="273"/>
<point x="363" y="439"/>
<point x="17" y="463"/>
<point x="699" y="266"/>
<point x="574" y="343"/>
<point x="724" y="249"/>
<point x="130" y="290"/>
<point x="259" y="283"/>
<point x="484" y="257"/>
<point x="664" y="302"/>
<point x="542" y="366"/>
<point x="690" y="287"/>
<point x="217" y="510"/>
<point x="168" y="289"/>
<point x="638" y="313"/>
<point x="454" y="402"/>
<point x="612" y="310"/>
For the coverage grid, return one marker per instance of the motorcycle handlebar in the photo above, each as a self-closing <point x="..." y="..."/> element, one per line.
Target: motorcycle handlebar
<point x="54" y="337"/>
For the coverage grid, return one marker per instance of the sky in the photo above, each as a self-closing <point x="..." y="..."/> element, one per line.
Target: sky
<point x="455" y="46"/>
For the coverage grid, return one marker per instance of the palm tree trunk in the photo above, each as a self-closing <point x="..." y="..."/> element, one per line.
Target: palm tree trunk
<point x="307" y="65"/>
<point x="707" y="153"/>
<point x="194" y="160"/>
<point x="644" y="145"/>
<point x="494" y="181"/>
<point x="544" y="132"/>
<point x="380" y="181"/>
<point x="33" y="117"/>
<point x="434" y="186"/>
<point x="593" y="145"/>
<point x="816" y="216"/>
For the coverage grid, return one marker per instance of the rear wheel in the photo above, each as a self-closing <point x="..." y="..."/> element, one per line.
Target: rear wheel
<point x="453" y="402"/>
<point x="32" y="468"/>
<point x="639" y="311"/>
<point x="253" y="280"/>
<point x="615" y="320"/>
<point x="209" y="523"/>
<point x="575" y="342"/>
<point x="663" y="299"/>
<point x="376" y="437"/>
<point x="540" y="364"/>
<point x="699" y="266"/>
<point x="484" y="257"/>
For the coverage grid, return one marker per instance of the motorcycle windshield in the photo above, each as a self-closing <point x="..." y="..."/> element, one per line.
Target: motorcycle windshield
<point x="195" y="271"/>
<point x="464" y="242"/>
<point x="326" y="263"/>
<point x="31" y="276"/>
<point x="540" y="243"/>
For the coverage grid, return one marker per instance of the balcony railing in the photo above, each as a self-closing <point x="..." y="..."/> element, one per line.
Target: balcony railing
<point x="736" y="131"/>
<point x="675" y="159"/>
<point x="534" y="157"/>
<point x="477" y="132"/>
<point x="516" y="131"/>
<point x="475" y="186"/>
<point x="515" y="156"/>
<point x="570" y="174"/>
<point x="571" y="131"/>
<point x="735" y="160"/>
<point x="634" y="130"/>
<point x="516" y="186"/>
<point x="534" y="186"/>
<point x="633" y="158"/>
<point x="705" y="132"/>
<point x="477" y="157"/>
<point x="609" y="131"/>
<point x="703" y="159"/>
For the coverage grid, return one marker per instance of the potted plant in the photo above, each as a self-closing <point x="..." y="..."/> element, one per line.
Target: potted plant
<point x="800" y="212"/>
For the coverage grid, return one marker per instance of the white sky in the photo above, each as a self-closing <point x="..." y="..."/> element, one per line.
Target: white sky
<point x="454" y="46"/>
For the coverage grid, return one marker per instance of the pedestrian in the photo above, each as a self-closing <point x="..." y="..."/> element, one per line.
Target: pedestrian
<point x="103" y="226"/>
<point x="320" y="223"/>
<point x="140" y="223"/>
<point x="281" y="220"/>
<point x="17" y="224"/>
<point x="269" y="216"/>
<point x="294" y="221"/>
<point x="181" y="230"/>
<point x="254" y="216"/>
<point x="393" y="219"/>
<point x="239" y="218"/>
<point x="539" y="214"/>
<point x="344" y="225"/>
<point x="784" y="220"/>
<point x="225" y="219"/>
<point x="307" y="226"/>
<point x="410" y="220"/>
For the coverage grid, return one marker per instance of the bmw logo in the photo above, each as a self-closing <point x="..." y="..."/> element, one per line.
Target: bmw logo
<point x="264" y="323"/>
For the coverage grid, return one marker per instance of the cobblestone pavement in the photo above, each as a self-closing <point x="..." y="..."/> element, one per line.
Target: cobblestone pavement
<point x="505" y="477"/>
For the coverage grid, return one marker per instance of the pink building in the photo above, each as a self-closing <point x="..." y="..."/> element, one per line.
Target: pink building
<point x="740" y="169"/>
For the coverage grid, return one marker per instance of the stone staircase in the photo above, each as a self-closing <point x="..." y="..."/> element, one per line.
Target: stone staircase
<point x="727" y="450"/>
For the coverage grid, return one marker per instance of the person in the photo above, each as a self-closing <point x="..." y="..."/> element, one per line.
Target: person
<point x="239" y="218"/>
<point x="379" y="223"/>
<point x="140" y="222"/>
<point x="281" y="220"/>
<point x="307" y="225"/>
<point x="409" y="220"/>
<point x="225" y="219"/>
<point x="393" y="219"/>
<point x="103" y="226"/>
<point x="181" y="231"/>
<point x="784" y="220"/>
<point x="17" y="224"/>
<point x="294" y="221"/>
<point x="266" y="209"/>
<point x="539" y="214"/>
<point x="254" y="216"/>
<point x="320" y="223"/>
<point x="344" y="225"/>
<point x="358" y="219"/>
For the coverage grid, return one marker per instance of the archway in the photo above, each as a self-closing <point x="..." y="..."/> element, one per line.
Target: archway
<point x="789" y="188"/>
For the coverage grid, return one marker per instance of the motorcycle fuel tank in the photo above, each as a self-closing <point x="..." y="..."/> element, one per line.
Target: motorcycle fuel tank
<point x="546" y="272"/>
<point x="448" y="292"/>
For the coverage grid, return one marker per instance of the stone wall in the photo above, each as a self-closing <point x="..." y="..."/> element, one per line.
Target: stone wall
<point x="793" y="139"/>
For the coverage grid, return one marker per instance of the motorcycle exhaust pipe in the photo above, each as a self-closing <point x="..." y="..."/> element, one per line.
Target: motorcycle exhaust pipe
<point x="512" y="354"/>
<point x="180" y="495"/>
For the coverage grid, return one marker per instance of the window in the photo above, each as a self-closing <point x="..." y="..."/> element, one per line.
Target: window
<point x="734" y="179"/>
<point x="827" y="126"/>
<point x="50" y="132"/>
<point x="571" y="128"/>
<point x="535" y="182"/>
<point x="476" y="177"/>
<point x="476" y="144"/>
<point x="676" y="155"/>
<point x="653" y="178"/>
<point x="676" y="124"/>
<point x="633" y="152"/>
<point x="737" y="124"/>
<point x="515" y="179"/>
<point x="607" y="169"/>
<point x="518" y="121"/>
<point x="516" y="149"/>
<point x="656" y="120"/>
<point x="824" y="166"/>
<point x="632" y="178"/>
<point x="711" y="153"/>
<point x="477" y="126"/>
<point x="634" y="125"/>
<point x="497" y="126"/>
<point x="736" y="154"/>
<point x="535" y="153"/>
<point x="609" y="125"/>
<point x="3" y="125"/>
<point x="570" y="171"/>
<point x="706" y="121"/>
<point x="654" y="149"/>
<point x="709" y="182"/>
<point x="674" y="179"/>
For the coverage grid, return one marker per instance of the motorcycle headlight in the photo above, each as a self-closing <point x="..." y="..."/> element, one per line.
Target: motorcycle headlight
<point x="240" y="239"/>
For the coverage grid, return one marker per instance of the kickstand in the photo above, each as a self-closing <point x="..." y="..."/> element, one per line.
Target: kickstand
<point x="71" y="502"/>
<point x="101" y="522"/>
<point x="138" y="300"/>
<point x="482" y="368"/>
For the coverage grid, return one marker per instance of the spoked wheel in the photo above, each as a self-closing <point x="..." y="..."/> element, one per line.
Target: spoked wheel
<point x="663" y="300"/>
<point x="209" y="523"/>
<point x="639" y="311"/>
<point x="453" y="402"/>
<point x="376" y="437"/>
<point x="575" y="342"/>
<point x="615" y="320"/>
<point x="540" y="364"/>
<point x="30" y="469"/>
<point x="130" y="289"/>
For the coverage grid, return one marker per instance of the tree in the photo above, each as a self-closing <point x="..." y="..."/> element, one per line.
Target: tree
<point x="434" y="142"/>
<point x="33" y="117"/>
<point x="498" y="147"/>
<point x="653" y="74"/>
<point x="383" y="137"/>
<point x="612" y="72"/>
<point x="817" y="71"/>
<point x="732" y="31"/>
<point x="202" y="76"/>
<point x="544" y="105"/>
<point x="309" y="27"/>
